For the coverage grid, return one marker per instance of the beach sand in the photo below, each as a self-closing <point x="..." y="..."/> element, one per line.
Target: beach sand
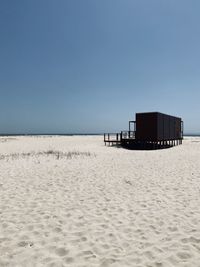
<point x="92" y="205"/>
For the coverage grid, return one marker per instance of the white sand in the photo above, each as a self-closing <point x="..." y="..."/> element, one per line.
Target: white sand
<point x="114" y="207"/>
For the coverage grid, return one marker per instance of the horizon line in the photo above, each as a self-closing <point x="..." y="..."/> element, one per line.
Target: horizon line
<point x="69" y="134"/>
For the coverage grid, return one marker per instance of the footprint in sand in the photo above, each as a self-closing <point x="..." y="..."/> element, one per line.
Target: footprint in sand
<point x="184" y="255"/>
<point x="57" y="230"/>
<point x="48" y="259"/>
<point x="173" y="228"/>
<point x="190" y="239"/>
<point x="69" y="260"/>
<point x="30" y="227"/>
<point x="107" y="262"/>
<point x="149" y="255"/>
<point x="23" y="244"/>
<point x="158" y="264"/>
<point x="61" y="252"/>
<point x="84" y="239"/>
<point x="88" y="254"/>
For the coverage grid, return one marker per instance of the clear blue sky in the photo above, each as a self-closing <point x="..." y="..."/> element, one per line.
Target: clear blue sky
<point x="88" y="66"/>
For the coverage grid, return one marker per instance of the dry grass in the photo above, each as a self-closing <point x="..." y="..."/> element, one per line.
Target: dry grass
<point x="3" y="140"/>
<point x="49" y="153"/>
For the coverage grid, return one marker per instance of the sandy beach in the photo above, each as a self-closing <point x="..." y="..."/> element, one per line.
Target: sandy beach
<point x="71" y="201"/>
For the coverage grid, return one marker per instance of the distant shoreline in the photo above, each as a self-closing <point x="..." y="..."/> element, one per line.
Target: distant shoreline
<point x="75" y="134"/>
<point x="49" y="134"/>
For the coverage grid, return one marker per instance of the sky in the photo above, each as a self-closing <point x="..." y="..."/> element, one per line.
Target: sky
<point x="87" y="66"/>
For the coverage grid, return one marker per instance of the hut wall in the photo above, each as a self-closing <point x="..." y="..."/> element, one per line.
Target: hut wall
<point x="160" y="126"/>
<point x="155" y="126"/>
<point x="146" y="126"/>
<point x="177" y="128"/>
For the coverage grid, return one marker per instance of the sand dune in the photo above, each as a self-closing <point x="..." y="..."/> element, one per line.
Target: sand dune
<point x="101" y="206"/>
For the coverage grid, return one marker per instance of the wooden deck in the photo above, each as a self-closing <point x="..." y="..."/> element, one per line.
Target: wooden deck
<point x="112" y="138"/>
<point x="127" y="139"/>
<point x="119" y="138"/>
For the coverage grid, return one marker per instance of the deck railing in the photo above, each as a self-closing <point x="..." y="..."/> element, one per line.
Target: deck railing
<point x="117" y="137"/>
<point x="112" y="137"/>
<point x="128" y="135"/>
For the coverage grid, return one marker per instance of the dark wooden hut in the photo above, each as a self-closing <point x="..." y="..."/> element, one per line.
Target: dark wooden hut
<point x="151" y="130"/>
